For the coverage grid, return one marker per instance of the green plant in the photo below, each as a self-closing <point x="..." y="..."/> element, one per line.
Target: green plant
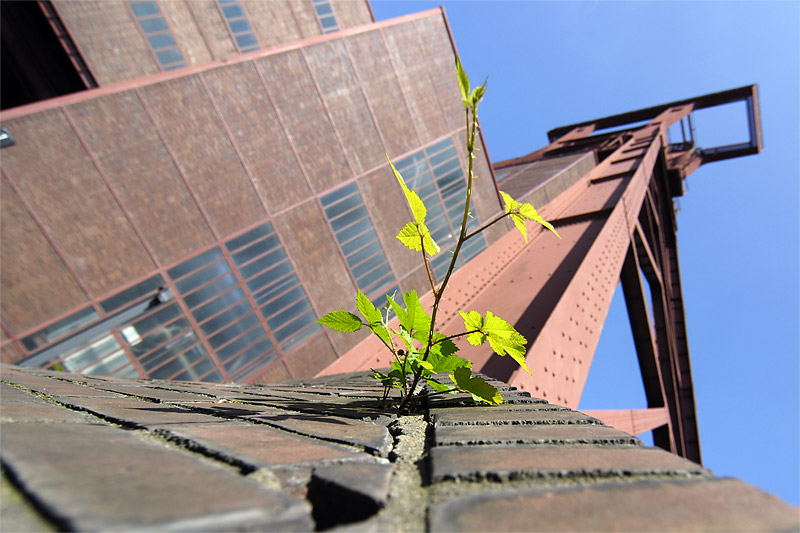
<point x="419" y="351"/>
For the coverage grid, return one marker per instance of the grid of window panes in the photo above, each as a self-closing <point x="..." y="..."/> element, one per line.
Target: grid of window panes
<point x="269" y="276"/>
<point x="158" y="34"/>
<point x="222" y="312"/>
<point x="239" y="25"/>
<point x="325" y="15"/>
<point x="344" y="209"/>
<point x="435" y="174"/>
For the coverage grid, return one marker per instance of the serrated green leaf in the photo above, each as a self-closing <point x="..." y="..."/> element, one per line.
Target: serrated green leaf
<point x="426" y="365"/>
<point x="472" y="320"/>
<point x="477" y="386"/>
<point x="343" y="321"/>
<point x="399" y="311"/>
<point x="511" y="204"/>
<point x="367" y="308"/>
<point x="417" y="316"/>
<point x="504" y="339"/>
<point x="447" y="363"/>
<point x="477" y="93"/>
<point x="519" y="222"/>
<point x="415" y="236"/>
<point x="435" y="385"/>
<point x="463" y="83"/>
<point x="414" y="202"/>
<point x="529" y="212"/>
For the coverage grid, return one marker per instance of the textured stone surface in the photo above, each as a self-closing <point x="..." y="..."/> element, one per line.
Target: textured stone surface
<point x="696" y="505"/>
<point x="97" y="477"/>
<point x="531" y="434"/>
<point x="84" y="453"/>
<point x="560" y="461"/>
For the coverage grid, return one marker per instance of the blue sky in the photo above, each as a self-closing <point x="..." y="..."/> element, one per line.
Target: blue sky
<point x="556" y="63"/>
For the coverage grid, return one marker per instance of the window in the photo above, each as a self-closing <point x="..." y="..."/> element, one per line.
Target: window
<point x="269" y="276"/>
<point x="158" y="35"/>
<point x="435" y="174"/>
<point x="344" y="209"/>
<point x="325" y="15"/>
<point x="240" y="28"/>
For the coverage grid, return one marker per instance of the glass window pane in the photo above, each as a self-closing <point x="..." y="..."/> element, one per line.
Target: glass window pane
<point x="218" y="304"/>
<point x="132" y="294"/>
<point x="283" y="301"/>
<point x="323" y="9"/>
<point x="353" y="245"/>
<point x="288" y="314"/>
<point x="293" y="327"/>
<point x="239" y="26"/>
<point x="246" y="40"/>
<point x="167" y="351"/>
<point x="162" y="40"/>
<point x="338" y="194"/>
<point x="368" y="265"/>
<point x="232" y="11"/>
<point x="194" y="373"/>
<point x="241" y="343"/>
<point x="263" y="263"/>
<point x="438" y="147"/>
<point x="129" y="372"/>
<point x="164" y="315"/>
<point x="167" y="57"/>
<point x="109" y="365"/>
<point x="346" y="204"/>
<point x="300" y="334"/>
<point x="209" y="291"/>
<point x="261" y="349"/>
<point x="364" y="253"/>
<point x="348" y="219"/>
<point x="194" y="263"/>
<point x="179" y="363"/>
<point x="222" y="320"/>
<point x="263" y="280"/>
<point x="93" y="352"/>
<point x="60" y="328"/>
<point x="144" y="9"/>
<point x="441" y="157"/>
<point x="250" y="236"/>
<point x="328" y="23"/>
<point x="277" y="288"/>
<point x="214" y="377"/>
<point x="160" y="336"/>
<point x="253" y="251"/>
<point x="233" y="331"/>
<point x="153" y="25"/>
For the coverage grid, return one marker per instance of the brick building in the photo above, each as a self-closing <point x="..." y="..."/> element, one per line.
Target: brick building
<point x="211" y="178"/>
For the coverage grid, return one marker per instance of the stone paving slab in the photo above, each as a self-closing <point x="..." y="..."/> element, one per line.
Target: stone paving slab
<point x="97" y="477"/>
<point x="507" y="462"/>
<point x="673" y="505"/>
<point x="88" y="453"/>
<point x="48" y="385"/>
<point x="373" y="437"/>
<point x="138" y="413"/>
<point x="259" y="446"/>
<point x="494" y="416"/>
<point x="531" y="434"/>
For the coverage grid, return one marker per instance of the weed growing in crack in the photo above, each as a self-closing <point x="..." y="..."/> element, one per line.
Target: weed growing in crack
<point x="419" y="351"/>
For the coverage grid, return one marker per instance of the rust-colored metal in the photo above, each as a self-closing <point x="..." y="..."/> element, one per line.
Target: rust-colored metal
<point x="633" y="421"/>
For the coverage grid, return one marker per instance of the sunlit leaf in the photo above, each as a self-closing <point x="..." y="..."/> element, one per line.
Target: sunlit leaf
<point x="415" y="236"/>
<point x="414" y="202"/>
<point x="343" y="321"/>
<point x="475" y="385"/>
<point x="463" y="83"/>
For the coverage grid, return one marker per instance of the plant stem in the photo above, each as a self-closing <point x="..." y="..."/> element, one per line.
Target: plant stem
<point x="496" y="219"/>
<point x="461" y="238"/>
